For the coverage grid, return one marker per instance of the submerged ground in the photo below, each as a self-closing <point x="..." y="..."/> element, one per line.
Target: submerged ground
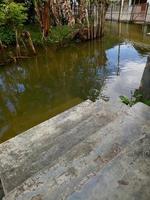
<point x="39" y="88"/>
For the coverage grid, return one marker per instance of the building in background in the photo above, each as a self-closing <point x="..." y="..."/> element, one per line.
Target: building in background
<point x="136" y="11"/>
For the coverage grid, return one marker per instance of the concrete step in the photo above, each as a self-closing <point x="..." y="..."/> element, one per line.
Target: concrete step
<point x="18" y="149"/>
<point x="41" y="146"/>
<point x="86" y="159"/>
<point x="125" y="177"/>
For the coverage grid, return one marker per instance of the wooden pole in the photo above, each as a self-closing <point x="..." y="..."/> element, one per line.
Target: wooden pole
<point x="18" y="53"/>
<point x="111" y="11"/>
<point x="121" y="9"/>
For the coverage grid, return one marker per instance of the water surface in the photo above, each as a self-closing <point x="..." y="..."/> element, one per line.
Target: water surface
<point x="36" y="89"/>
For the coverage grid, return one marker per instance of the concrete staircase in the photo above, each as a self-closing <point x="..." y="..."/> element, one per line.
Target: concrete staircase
<point x="66" y="156"/>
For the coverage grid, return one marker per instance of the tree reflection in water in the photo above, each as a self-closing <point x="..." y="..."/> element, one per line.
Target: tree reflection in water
<point x="57" y="79"/>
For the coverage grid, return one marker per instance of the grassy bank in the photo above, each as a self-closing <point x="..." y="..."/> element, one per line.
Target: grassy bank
<point x="57" y="35"/>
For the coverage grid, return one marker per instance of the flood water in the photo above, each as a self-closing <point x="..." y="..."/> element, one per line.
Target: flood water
<point x="36" y="89"/>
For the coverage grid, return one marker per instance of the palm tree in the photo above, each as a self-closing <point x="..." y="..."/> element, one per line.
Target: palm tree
<point x="42" y="13"/>
<point x="91" y="15"/>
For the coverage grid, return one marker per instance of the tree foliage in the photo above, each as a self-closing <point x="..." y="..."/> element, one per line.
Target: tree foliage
<point x="12" y="14"/>
<point x="86" y="15"/>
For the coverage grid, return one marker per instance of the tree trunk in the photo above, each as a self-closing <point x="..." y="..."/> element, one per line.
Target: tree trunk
<point x="27" y="37"/>
<point x="87" y="22"/>
<point x="67" y="12"/>
<point x="18" y="53"/>
<point x="55" y="12"/>
<point x="82" y="11"/>
<point x="42" y="12"/>
<point x="46" y="19"/>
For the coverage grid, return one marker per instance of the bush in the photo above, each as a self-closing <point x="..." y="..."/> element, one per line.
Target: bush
<point x="7" y="36"/>
<point x="57" y="35"/>
<point x="12" y="14"/>
<point x="12" y="17"/>
<point x="60" y="33"/>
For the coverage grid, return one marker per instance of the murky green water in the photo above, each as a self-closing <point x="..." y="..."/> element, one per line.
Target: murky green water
<point x="39" y="88"/>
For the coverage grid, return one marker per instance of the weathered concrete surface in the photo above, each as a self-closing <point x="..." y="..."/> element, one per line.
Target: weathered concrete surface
<point x="1" y="191"/>
<point x="87" y="159"/>
<point x="41" y="146"/>
<point x="127" y="177"/>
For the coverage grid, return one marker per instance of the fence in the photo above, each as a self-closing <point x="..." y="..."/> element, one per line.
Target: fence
<point x="139" y="12"/>
<point x="136" y="13"/>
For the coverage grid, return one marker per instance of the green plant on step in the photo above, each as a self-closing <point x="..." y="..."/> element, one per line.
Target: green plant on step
<point x="135" y="97"/>
<point x="126" y="100"/>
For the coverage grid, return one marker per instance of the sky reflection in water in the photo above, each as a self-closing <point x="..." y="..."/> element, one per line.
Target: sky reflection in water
<point x="39" y="88"/>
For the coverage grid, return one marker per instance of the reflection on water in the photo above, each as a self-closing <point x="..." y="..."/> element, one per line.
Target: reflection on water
<point x="39" y="88"/>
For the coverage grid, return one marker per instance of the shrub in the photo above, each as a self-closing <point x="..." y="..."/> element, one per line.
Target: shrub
<point x="12" y="17"/>
<point x="7" y="36"/>
<point x="12" y="14"/>
<point x="60" y="33"/>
